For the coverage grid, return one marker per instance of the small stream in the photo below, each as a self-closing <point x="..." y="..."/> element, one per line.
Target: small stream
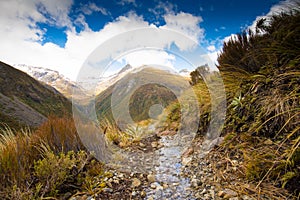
<point x="169" y="183"/>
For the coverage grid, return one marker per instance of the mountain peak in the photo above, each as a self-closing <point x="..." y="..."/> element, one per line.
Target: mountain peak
<point x="125" y="69"/>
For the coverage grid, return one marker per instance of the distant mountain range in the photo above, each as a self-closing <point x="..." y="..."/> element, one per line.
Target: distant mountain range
<point x="52" y="78"/>
<point x="66" y="86"/>
<point x="24" y="101"/>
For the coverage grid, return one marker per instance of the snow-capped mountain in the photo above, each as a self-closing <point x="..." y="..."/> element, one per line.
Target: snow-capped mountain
<point x="92" y="87"/>
<point x="50" y="77"/>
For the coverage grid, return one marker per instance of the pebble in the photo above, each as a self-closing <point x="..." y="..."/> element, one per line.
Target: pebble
<point x="153" y="185"/>
<point x="143" y="193"/>
<point x="154" y="144"/>
<point x="142" y="145"/>
<point x="136" y="182"/>
<point x="107" y="190"/>
<point x="151" y="178"/>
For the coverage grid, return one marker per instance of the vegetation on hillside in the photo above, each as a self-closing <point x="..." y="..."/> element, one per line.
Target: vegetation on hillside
<point x="261" y="72"/>
<point x="264" y="111"/>
<point x="148" y="90"/>
<point x="27" y="102"/>
<point x="47" y="162"/>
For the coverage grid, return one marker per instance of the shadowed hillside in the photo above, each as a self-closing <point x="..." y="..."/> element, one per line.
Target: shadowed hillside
<point x="144" y="94"/>
<point x="24" y="101"/>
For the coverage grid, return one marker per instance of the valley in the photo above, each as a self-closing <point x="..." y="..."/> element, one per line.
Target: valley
<point x="152" y="133"/>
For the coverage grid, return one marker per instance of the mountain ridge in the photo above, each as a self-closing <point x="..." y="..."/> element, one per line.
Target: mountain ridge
<point x="26" y="101"/>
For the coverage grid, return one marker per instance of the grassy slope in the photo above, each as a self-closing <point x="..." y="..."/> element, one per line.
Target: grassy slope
<point x="30" y="101"/>
<point x="261" y="72"/>
<point x="143" y="97"/>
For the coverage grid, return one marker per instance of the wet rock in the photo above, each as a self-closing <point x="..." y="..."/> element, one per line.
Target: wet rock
<point x="165" y="186"/>
<point x="153" y="185"/>
<point x="143" y="193"/>
<point x="151" y="178"/>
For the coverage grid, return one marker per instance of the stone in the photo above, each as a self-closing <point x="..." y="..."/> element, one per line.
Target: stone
<point x="116" y="181"/>
<point x="143" y="193"/>
<point x="133" y="193"/>
<point x="107" y="190"/>
<point x="154" y="144"/>
<point x="165" y="186"/>
<point x="221" y="193"/>
<point x="151" y="178"/>
<point x="153" y="185"/>
<point x="186" y="161"/>
<point x="120" y="175"/>
<point x="159" y="187"/>
<point x="136" y="182"/>
<point x="142" y="145"/>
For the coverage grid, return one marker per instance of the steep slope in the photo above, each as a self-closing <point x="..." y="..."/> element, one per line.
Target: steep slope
<point x="139" y="93"/>
<point x="26" y="101"/>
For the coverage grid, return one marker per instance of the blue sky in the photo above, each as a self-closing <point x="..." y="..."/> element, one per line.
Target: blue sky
<point x="61" y="34"/>
<point x="220" y="18"/>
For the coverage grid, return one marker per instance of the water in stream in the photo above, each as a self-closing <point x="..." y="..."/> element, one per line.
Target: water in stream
<point x="169" y="185"/>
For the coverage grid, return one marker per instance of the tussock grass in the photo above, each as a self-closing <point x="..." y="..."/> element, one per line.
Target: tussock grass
<point x="44" y="163"/>
<point x="261" y="73"/>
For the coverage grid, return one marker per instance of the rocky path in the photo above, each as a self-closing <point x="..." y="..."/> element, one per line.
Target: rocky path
<point x="169" y="184"/>
<point x="175" y="176"/>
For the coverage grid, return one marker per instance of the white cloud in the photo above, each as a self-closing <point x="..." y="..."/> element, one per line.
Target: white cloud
<point x="20" y="38"/>
<point x="185" y="23"/>
<point x="283" y="6"/>
<point x="124" y="2"/>
<point x="232" y="36"/>
<point x="210" y="59"/>
<point x="149" y="57"/>
<point x="88" y="9"/>
<point x="163" y="8"/>
<point x="211" y="48"/>
<point x="57" y="9"/>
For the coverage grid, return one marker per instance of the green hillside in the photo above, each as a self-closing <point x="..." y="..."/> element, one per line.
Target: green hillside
<point x="143" y="97"/>
<point x="25" y="101"/>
